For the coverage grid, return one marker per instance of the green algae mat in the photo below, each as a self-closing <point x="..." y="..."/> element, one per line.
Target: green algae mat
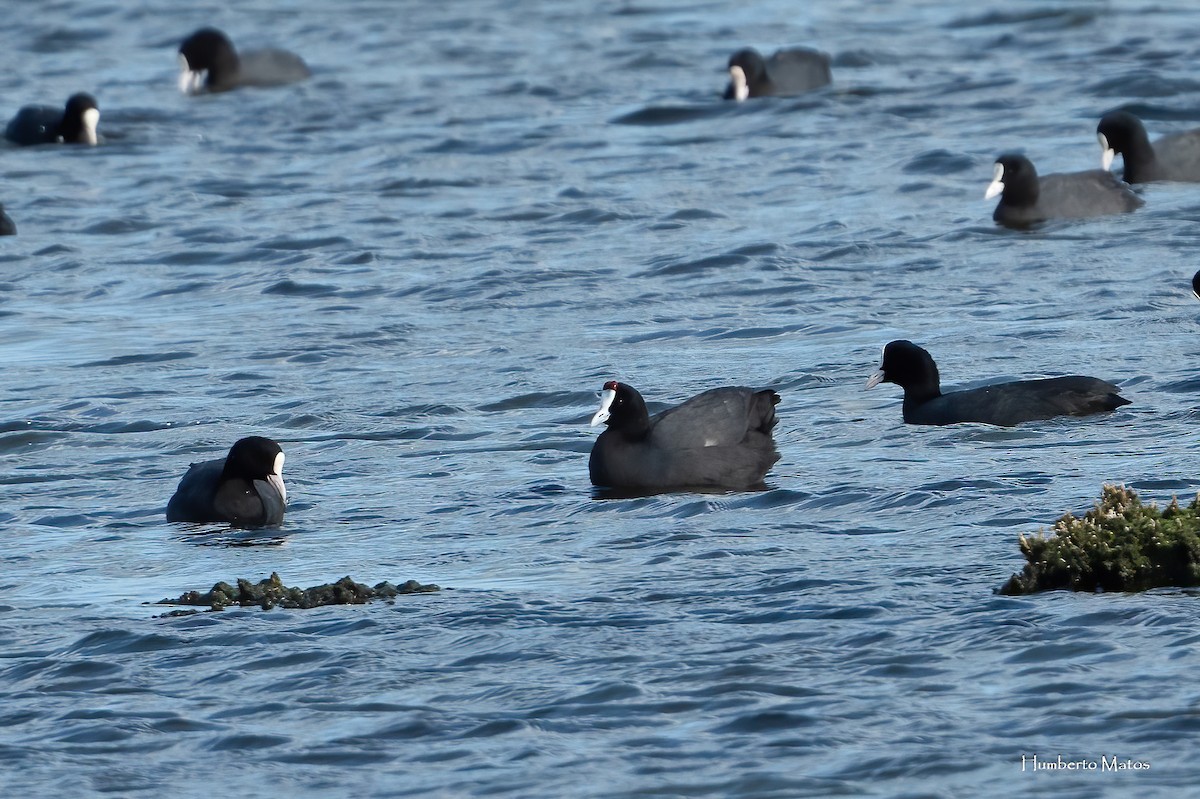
<point x="1121" y="544"/>
<point x="271" y="592"/>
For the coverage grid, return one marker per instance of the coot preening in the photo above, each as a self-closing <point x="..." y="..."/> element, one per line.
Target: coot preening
<point x="1004" y="404"/>
<point x="210" y="64"/>
<point x="1174" y="157"/>
<point x="41" y="124"/>
<point x="718" y="439"/>
<point x="1026" y="199"/>
<point x="245" y="488"/>
<point x="793" y="71"/>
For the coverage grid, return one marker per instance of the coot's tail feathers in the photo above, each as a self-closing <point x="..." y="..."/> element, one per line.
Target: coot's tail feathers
<point x="762" y="411"/>
<point x="1114" y="400"/>
<point x="1090" y="395"/>
<point x="765" y="453"/>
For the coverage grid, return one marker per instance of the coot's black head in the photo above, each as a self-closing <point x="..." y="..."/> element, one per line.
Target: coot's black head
<point x="1121" y="132"/>
<point x="207" y="59"/>
<point x="746" y="68"/>
<point x="910" y="367"/>
<point x="1016" y="179"/>
<point x="255" y="458"/>
<point x="621" y="407"/>
<point x="80" y="118"/>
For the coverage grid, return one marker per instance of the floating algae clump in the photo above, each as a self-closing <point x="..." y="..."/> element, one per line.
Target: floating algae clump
<point x="1119" y="545"/>
<point x="271" y="592"/>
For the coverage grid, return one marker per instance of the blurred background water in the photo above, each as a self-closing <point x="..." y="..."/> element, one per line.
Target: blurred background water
<point x="416" y="270"/>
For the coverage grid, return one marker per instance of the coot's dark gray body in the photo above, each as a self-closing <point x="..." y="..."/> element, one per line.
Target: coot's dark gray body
<point x="1173" y="157"/>
<point x="245" y="488"/>
<point x="1026" y="199"/>
<point x="7" y="226"/>
<point x="793" y="71"/>
<point x="718" y="439"/>
<point x="1003" y="404"/>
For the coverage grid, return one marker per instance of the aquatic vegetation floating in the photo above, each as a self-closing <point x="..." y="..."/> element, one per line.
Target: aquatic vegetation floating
<point x="1120" y="544"/>
<point x="271" y="592"/>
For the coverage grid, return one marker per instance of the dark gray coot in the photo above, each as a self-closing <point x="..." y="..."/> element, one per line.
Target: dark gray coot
<point x="1003" y="404"/>
<point x="1196" y="285"/>
<point x="1026" y="199"/>
<point x="1174" y="157"/>
<point x="41" y="124"/>
<point x="792" y="71"/>
<point x="718" y="439"/>
<point x="245" y="488"/>
<point x="209" y="63"/>
<point x="7" y="227"/>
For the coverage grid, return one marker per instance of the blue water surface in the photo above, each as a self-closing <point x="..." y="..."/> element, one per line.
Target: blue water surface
<point x="415" y="271"/>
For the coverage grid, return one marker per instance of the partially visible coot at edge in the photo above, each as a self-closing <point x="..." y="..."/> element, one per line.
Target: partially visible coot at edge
<point x="1173" y="157"/>
<point x="7" y="226"/>
<point x="791" y="71"/>
<point x="209" y="63"/>
<point x="1004" y="404"/>
<point x="245" y="488"/>
<point x="718" y="439"/>
<point x="41" y="124"/>
<point x="1196" y="285"/>
<point x="1026" y="199"/>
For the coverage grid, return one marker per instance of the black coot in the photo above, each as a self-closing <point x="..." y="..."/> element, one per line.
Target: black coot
<point x="792" y="71"/>
<point x="210" y="64"/>
<point x="1174" y="157"/>
<point x="1004" y="404"/>
<point x="718" y="439"/>
<point x="245" y="488"/>
<point x="7" y="227"/>
<point x="40" y="124"/>
<point x="1026" y="199"/>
